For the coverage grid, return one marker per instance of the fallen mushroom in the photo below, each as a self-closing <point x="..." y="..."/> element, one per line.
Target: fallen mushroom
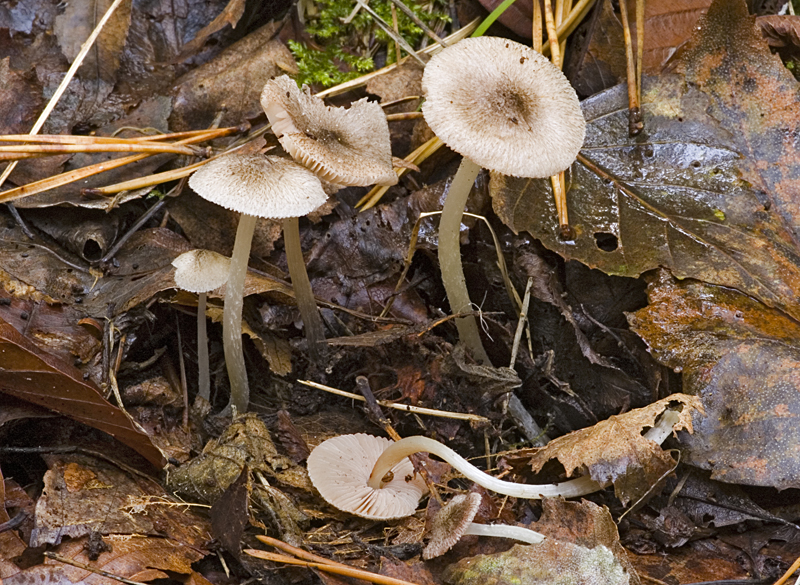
<point x="455" y="520"/>
<point x="270" y="187"/>
<point x="339" y="468"/>
<point x="336" y="468"/>
<point x="505" y="107"/>
<point x="345" y="146"/>
<point x="201" y="271"/>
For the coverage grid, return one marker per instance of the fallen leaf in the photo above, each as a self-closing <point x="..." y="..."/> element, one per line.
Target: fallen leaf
<point x="229" y="514"/>
<point x="740" y="358"/>
<point x="83" y="494"/>
<point x="232" y="82"/>
<point x="230" y="15"/>
<point x="35" y="376"/>
<point x="614" y="450"/>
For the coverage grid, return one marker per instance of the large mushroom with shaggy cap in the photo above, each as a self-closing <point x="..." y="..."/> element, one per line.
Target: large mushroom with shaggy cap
<point x="504" y="107"/>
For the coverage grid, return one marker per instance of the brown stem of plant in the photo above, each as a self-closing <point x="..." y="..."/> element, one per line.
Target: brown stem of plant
<point x="328" y="568"/>
<point x="634" y="102"/>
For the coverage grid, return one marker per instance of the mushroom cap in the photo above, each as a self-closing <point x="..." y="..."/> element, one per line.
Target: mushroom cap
<point x="450" y="523"/>
<point x="201" y="271"/>
<point x="503" y="106"/>
<point x="340" y="467"/>
<point x="344" y="146"/>
<point x="265" y="186"/>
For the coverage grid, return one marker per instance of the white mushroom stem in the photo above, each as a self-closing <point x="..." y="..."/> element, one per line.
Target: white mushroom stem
<point x="303" y="294"/>
<point x="203" y="377"/>
<point x="232" y="315"/>
<point x="410" y="445"/>
<point x="580" y="486"/>
<point x="504" y="531"/>
<point x="450" y="258"/>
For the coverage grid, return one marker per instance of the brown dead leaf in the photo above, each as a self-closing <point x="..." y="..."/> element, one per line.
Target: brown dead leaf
<point x="137" y="559"/>
<point x="35" y="376"/>
<point x="232" y="82"/>
<point x="741" y="358"/>
<point x="229" y="16"/>
<point x="76" y="23"/>
<point x="615" y="451"/>
<point x="781" y="31"/>
<point x="245" y="442"/>
<point x="21" y="100"/>
<point x="83" y="494"/>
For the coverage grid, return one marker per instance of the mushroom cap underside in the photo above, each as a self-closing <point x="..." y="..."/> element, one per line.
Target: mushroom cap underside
<point x="346" y="146"/>
<point x="340" y="467"/>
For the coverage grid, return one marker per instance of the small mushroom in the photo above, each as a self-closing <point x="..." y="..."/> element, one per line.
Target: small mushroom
<point x="345" y="146"/>
<point x="270" y="187"/>
<point x="339" y="468"/>
<point x="201" y="271"/>
<point x="455" y="520"/>
<point x="505" y="107"/>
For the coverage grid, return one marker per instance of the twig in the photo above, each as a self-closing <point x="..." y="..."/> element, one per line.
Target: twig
<point x="396" y="406"/>
<point x="388" y="30"/>
<point x="790" y="571"/>
<point x="335" y="569"/>
<point x="523" y="317"/>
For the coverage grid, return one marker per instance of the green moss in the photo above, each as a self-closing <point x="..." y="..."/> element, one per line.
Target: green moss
<point x="348" y="50"/>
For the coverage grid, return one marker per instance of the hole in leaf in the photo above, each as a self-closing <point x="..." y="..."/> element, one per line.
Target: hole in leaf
<point x="605" y="241"/>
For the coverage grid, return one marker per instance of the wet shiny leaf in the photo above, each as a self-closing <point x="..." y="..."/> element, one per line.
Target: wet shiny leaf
<point x="705" y="190"/>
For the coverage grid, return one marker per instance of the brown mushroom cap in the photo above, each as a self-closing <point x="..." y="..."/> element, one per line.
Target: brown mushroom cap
<point x="503" y="106"/>
<point x="344" y="146"/>
<point x="340" y="467"/>
<point x="450" y="523"/>
<point x="264" y="186"/>
<point x="201" y="271"/>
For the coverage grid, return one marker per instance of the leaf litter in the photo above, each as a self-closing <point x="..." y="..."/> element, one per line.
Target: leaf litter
<point x="706" y="193"/>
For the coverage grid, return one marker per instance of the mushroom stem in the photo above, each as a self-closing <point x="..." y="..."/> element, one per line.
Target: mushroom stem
<point x="450" y="258"/>
<point x="232" y="315"/>
<point x="580" y="486"/>
<point x="303" y="294"/>
<point x="410" y="445"/>
<point x="203" y="378"/>
<point x="505" y="531"/>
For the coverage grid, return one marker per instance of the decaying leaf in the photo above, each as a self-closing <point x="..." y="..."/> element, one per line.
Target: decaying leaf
<point x="581" y="546"/>
<point x="705" y="191"/>
<point x="35" y="376"/>
<point x="83" y="494"/>
<point x="232" y="82"/>
<point x="549" y="563"/>
<point x="614" y="450"/>
<point x="245" y="442"/>
<point x="741" y="358"/>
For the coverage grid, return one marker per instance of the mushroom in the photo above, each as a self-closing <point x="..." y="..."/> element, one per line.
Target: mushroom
<point x="344" y="458"/>
<point x="270" y="187"/>
<point x="455" y="520"/>
<point x="339" y="469"/>
<point x="342" y="146"/>
<point x="201" y="271"/>
<point x="505" y="107"/>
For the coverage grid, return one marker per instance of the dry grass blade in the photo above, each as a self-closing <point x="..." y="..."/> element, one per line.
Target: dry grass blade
<point x="62" y="87"/>
<point x="78" y="174"/>
<point x="51" y="149"/>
